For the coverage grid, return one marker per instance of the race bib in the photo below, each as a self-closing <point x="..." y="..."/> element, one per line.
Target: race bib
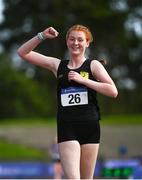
<point x="73" y="96"/>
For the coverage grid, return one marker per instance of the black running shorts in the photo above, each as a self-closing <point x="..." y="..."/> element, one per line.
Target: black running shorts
<point x="83" y="132"/>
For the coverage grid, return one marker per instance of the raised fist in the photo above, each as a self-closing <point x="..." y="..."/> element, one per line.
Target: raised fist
<point x="50" y="32"/>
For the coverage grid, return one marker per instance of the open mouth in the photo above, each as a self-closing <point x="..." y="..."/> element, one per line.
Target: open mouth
<point x="75" y="48"/>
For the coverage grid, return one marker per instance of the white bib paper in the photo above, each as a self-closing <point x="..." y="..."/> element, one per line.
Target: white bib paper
<point x="73" y="96"/>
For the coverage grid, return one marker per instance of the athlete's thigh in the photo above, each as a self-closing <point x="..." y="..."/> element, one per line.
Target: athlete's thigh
<point x="70" y="158"/>
<point x="89" y="154"/>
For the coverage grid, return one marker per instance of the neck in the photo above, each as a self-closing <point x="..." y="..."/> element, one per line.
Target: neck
<point x="76" y="61"/>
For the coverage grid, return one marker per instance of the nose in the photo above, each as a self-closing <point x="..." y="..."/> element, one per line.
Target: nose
<point x="75" y="41"/>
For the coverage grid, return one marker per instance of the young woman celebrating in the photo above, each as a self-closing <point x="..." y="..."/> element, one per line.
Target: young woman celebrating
<point x="78" y="81"/>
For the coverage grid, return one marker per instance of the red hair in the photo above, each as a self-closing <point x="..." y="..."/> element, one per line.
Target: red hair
<point x="82" y="28"/>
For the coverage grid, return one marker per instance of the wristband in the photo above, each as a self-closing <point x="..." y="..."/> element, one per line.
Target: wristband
<point x="40" y="36"/>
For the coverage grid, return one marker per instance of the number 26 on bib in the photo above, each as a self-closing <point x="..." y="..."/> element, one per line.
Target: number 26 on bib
<point x="73" y="96"/>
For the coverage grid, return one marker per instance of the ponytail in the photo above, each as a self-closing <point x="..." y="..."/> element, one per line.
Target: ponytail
<point x="103" y="61"/>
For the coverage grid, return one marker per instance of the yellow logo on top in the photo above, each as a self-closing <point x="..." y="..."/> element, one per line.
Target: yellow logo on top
<point x="84" y="74"/>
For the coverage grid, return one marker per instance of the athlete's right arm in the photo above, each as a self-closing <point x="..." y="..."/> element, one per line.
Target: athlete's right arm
<point x="26" y="52"/>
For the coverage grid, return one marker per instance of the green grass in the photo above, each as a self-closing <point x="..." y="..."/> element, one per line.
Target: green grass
<point x="123" y="119"/>
<point x="28" y="122"/>
<point x="10" y="151"/>
<point x="129" y="120"/>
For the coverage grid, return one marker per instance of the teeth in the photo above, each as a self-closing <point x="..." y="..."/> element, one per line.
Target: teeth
<point x="75" y="48"/>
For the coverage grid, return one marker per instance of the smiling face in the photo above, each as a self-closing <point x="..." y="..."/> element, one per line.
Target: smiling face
<point x="77" y="42"/>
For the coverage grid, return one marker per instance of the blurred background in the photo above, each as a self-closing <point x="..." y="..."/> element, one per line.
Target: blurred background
<point x="28" y="93"/>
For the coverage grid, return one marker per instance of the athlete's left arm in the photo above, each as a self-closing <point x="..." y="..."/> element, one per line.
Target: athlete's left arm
<point x="104" y="83"/>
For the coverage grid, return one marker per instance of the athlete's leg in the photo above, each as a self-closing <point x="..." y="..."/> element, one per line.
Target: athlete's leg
<point x="88" y="159"/>
<point x="70" y="158"/>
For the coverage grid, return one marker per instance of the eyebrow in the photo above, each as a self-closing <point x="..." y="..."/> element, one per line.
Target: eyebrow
<point x="74" y="37"/>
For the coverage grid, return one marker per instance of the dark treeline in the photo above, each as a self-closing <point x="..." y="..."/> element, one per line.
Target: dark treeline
<point x="29" y="91"/>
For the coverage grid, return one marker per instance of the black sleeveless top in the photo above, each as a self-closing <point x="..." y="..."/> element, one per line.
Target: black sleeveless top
<point x="76" y="102"/>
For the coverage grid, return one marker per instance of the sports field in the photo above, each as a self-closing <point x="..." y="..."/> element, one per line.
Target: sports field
<point x="123" y="119"/>
<point x="31" y="138"/>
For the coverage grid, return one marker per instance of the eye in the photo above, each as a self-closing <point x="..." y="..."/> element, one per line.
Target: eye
<point x="71" y="39"/>
<point x="80" y="40"/>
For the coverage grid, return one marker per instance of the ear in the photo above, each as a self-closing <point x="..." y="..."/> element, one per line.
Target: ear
<point x="87" y="43"/>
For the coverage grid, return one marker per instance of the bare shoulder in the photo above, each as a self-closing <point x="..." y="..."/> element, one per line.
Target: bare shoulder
<point x="54" y="60"/>
<point x="98" y="70"/>
<point x="57" y="62"/>
<point x="54" y="64"/>
<point x="96" y="65"/>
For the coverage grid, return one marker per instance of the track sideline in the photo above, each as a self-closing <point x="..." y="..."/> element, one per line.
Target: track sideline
<point x="112" y="137"/>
